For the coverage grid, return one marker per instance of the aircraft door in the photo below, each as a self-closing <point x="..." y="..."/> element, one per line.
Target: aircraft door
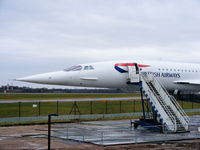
<point x="133" y="73"/>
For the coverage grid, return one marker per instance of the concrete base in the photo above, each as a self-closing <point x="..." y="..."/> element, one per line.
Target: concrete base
<point x="119" y="132"/>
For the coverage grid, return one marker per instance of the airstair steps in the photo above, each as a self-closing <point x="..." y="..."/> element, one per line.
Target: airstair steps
<point x="170" y="112"/>
<point x="165" y="107"/>
<point x="172" y="115"/>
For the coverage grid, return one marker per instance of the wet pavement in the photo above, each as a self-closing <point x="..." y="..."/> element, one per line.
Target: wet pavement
<point x="119" y="132"/>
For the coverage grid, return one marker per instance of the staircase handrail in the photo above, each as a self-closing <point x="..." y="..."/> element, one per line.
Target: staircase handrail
<point x="177" y="105"/>
<point x="165" y="105"/>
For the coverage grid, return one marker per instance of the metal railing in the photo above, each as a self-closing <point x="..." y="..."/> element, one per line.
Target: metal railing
<point x="159" y="105"/>
<point x="173" y="100"/>
<point x="178" y="111"/>
<point x="166" y="101"/>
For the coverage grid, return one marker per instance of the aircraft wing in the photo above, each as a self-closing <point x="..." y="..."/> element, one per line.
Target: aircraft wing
<point x="194" y="82"/>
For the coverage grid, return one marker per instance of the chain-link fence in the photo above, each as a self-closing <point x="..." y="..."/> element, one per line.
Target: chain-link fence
<point x="43" y="108"/>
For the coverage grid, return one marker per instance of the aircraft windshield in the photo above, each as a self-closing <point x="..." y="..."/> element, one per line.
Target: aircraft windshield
<point x="74" y="68"/>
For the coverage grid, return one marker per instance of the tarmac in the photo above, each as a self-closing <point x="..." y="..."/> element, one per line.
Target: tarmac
<point x="98" y="135"/>
<point x="70" y="100"/>
<point x="119" y="132"/>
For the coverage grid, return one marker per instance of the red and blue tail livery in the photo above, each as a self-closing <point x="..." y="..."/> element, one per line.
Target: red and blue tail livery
<point x="122" y="67"/>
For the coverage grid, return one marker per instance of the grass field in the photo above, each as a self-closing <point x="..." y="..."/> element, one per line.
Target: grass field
<point x="64" y="108"/>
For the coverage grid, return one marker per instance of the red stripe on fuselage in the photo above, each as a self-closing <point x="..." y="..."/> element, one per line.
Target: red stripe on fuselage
<point x="131" y="64"/>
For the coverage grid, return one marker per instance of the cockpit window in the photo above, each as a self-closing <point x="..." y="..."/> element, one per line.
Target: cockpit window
<point x="88" y="68"/>
<point x="91" y="67"/>
<point x="74" y="68"/>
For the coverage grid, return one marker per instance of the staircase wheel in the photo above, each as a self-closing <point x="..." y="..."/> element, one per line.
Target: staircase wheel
<point x="135" y="125"/>
<point x="161" y="129"/>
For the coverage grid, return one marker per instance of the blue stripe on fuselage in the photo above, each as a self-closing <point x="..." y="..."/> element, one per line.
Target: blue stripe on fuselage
<point x="120" y="69"/>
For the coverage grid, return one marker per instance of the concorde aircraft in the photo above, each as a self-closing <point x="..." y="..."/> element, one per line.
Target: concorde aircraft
<point x="114" y="74"/>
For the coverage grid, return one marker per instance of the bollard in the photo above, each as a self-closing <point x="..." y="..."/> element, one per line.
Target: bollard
<point x="49" y="130"/>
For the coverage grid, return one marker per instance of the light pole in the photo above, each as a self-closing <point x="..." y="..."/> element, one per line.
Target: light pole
<point x="49" y="130"/>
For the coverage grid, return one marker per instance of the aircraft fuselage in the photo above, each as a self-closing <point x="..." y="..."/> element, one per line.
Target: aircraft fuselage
<point x="113" y="74"/>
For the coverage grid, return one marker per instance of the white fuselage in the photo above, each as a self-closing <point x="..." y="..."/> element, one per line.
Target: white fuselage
<point x="113" y="74"/>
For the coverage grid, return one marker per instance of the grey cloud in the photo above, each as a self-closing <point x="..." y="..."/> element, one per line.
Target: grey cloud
<point x="35" y="33"/>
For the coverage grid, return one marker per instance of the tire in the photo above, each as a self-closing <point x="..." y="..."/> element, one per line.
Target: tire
<point x="135" y="125"/>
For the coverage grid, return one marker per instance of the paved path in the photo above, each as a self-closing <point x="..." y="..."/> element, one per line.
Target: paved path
<point x="71" y="100"/>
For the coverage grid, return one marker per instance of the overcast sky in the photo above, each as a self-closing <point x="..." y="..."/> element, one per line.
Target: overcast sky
<point x="38" y="36"/>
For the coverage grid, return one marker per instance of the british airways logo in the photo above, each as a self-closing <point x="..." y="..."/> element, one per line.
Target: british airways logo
<point x="163" y="74"/>
<point x="122" y="67"/>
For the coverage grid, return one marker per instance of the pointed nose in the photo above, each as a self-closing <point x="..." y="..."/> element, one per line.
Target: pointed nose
<point x="45" y="78"/>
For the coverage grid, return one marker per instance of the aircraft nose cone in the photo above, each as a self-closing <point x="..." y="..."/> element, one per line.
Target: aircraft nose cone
<point x="45" y="78"/>
<point x="33" y="78"/>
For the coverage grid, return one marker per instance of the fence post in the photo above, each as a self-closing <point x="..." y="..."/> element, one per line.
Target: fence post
<point x="39" y="108"/>
<point x="182" y="104"/>
<point x="192" y="104"/>
<point x="91" y="107"/>
<point x="57" y="107"/>
<point x="19" y="109"/>
<point x="106" y="106"/>
<point x="120" y="106"/>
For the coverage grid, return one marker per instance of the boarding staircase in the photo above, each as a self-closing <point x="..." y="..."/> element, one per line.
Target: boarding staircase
<point x="170" y="114"/>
